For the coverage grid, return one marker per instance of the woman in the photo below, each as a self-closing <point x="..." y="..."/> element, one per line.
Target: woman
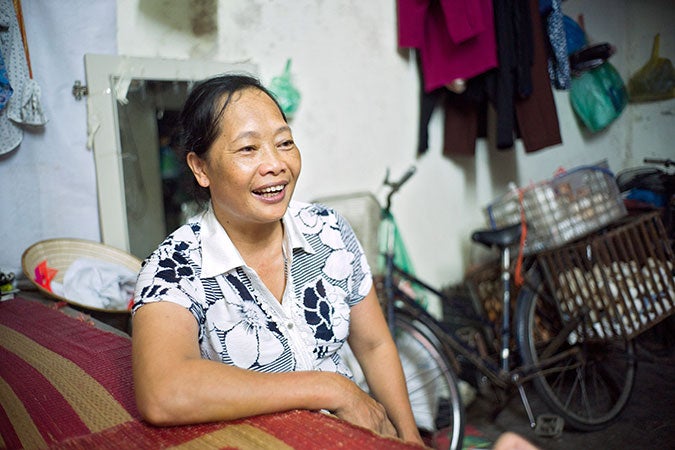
<point x="242" y="311"/>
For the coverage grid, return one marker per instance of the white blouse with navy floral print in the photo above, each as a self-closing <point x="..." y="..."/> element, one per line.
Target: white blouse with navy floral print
<point x="240" y="321"/>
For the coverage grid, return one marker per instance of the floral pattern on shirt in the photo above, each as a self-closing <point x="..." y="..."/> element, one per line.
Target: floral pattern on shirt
<point x="240" y="323"/>
<point x="255" y="327"/>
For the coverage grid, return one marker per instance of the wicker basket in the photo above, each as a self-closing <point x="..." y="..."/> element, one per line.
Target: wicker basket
<point x="621" y="282"/>
<point x="562" y="209"/>
<point x="60" y="254"/>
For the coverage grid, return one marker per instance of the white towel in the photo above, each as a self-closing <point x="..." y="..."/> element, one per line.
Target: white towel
<point x="98" y="284"/>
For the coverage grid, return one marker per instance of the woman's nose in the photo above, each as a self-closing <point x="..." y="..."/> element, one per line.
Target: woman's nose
<point x="271" y="160"/>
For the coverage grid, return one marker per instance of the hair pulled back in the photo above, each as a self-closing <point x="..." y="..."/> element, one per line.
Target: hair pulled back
<point x="200" y="120"/>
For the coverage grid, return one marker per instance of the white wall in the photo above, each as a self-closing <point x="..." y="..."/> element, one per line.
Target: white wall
<point x="359" y="108"/>
<point x="48" y="184"/>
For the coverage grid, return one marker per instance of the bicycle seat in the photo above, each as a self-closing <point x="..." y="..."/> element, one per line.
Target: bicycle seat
<point x="500" y="237"/>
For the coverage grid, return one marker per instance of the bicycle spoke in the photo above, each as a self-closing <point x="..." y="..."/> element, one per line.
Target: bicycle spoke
<point x="597" y="383"/>
<point x="432" y="386"/>
<point x="584" y="402"/>
<point x="421" y="382"/>
<point x="573" y="389"/>
<point x="611" y="378"/>
<point x="585" y="381"/>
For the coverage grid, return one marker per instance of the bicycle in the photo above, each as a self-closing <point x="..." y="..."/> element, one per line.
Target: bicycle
<point x="651" y="186"/>
<point x="581" y="367"/>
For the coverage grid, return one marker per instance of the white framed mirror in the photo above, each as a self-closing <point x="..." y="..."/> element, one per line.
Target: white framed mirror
<point x="131" y="105"/>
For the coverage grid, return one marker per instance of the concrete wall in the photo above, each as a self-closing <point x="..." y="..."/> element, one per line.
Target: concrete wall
<point x="359" y="107"/>
<point x="359" y="113"/>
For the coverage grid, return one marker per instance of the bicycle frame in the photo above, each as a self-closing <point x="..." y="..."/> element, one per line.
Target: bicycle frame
<point x="564" y="356"/>
<point x="500" y="375"/>
<point x="393" y="292"/>
<point x="499" y="372"/>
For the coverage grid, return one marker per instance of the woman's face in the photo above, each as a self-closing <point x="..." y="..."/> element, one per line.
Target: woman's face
<point x="252" y="167"/>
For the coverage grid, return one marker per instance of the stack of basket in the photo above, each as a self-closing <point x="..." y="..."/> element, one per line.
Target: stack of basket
<point x="562" y="209"/>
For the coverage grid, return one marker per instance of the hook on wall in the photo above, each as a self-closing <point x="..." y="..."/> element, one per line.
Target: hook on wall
<point x="79" y="90"/>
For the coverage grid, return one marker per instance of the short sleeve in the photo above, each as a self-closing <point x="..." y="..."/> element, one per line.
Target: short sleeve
<point x="361" y="278"/>
<point x="170" y="274"/>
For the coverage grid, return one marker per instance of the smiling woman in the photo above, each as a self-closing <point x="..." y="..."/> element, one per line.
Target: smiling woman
<point x="258" y="289"/>
<point x="250" y="169"/>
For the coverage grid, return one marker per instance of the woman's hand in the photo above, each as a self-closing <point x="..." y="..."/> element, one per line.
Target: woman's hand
<point x="371" y="343"/>
<point x="361" y="409"/>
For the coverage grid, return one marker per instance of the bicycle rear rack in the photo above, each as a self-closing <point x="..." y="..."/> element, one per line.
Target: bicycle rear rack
<point x="620" y="282"/>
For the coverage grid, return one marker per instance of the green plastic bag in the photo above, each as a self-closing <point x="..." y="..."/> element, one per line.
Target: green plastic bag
<point x="401" y="258"/>
<point x="598" y="96"/>
<point x="285" y="92"/>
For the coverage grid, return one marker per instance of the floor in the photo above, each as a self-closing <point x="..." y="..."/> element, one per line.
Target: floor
<point x="647" y="422"/>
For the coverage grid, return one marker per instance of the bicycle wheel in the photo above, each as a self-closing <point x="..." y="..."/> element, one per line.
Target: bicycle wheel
<point x="586" y="382"/>
<point x="432" y="385"/>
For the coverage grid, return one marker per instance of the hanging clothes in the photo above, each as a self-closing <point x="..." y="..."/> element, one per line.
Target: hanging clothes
<point x="558" y="61"/>
<point x="520" y="89"/>
<point x="11" y="46"/>
<point x="453" y="39"/>
<point x="27" y="109"/>
<point x="536" y="115"/>
<point x="6" y="90"/>
<point x="513" y="79"/>
<point x="427" y="104"/>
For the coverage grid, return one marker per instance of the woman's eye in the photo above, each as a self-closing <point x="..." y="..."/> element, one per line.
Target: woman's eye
<point x="247" y="149"/>
<point x="287" y="144"/>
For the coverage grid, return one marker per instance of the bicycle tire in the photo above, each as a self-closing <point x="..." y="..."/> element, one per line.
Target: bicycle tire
<point x="591" y="382"/>
<point x="432" y="385"/>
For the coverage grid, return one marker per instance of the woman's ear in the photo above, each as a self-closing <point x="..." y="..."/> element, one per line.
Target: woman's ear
<point x="197" y="165"/>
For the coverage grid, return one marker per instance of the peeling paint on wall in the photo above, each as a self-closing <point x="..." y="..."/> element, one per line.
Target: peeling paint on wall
<point x="204" y="17"/>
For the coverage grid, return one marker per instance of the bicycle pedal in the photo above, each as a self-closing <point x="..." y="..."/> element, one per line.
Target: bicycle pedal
<point x="549" y="425"/>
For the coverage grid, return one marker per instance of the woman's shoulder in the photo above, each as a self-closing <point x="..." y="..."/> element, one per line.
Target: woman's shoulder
<point x="181" y="243"/>
<point x="296" y="205"/>
<point x="314" y="213"/>
<point x="301" y="207"/>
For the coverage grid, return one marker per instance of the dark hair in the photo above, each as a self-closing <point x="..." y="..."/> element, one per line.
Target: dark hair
<point x="200" y="119"/>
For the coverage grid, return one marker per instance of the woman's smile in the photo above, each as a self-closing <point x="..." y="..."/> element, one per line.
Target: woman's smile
<point x="272" y="193"/>
<point x="253" y="165"/>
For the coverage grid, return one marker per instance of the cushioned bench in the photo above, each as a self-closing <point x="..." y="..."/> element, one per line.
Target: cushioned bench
<point x="65" y="382"/>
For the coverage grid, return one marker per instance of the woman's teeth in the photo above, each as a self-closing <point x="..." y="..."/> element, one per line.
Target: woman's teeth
<point x="270" y="191"/>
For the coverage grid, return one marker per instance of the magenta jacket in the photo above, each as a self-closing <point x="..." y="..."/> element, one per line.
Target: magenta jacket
<point x="454" y="38"/>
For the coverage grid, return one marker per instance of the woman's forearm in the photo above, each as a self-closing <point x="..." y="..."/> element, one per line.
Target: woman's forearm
<point x="174" y="385"/>
<point x="374" y="348"/>
<point x="205" y="391"/>
<point x="388" y="387"/>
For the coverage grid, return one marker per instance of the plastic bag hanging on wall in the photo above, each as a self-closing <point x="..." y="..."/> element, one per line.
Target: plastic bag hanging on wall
<point x="655" y="80"/>
<point x="598" y="96"/>
<point x="285" y="92"/>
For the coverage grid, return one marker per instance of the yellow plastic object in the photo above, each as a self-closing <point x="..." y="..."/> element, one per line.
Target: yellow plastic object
<point x="655" y="80"/>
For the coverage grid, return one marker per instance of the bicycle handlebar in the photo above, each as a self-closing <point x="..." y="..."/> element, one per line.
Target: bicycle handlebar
<point x="664" y="162"/>
<point x="396" y="185"/>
